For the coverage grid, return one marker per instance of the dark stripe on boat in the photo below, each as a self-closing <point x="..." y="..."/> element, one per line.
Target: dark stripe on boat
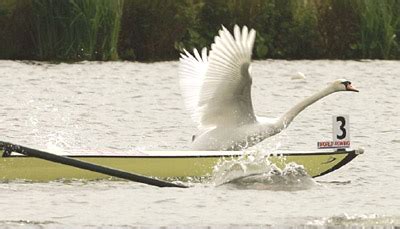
<point x="352" y="152"/>
<point x="347" y="159"/>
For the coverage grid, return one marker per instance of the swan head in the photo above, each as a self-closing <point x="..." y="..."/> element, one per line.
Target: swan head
<point x="343" y="85"/>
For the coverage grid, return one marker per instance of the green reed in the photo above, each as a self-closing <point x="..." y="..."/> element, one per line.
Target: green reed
<point x="150" y="29"/>
<point x="15" y="30"/>
<point x="337" y="28"/>
<point x="380" y="21"/>
<point x="158" y="29"/>
<point x="285" y="29"/>
<point x="77" y="29"/>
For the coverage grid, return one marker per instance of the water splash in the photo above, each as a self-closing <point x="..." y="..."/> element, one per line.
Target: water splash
<point x="254" y="170"/>
<point x="357" y="221"/>
<point x="57" y="143"/>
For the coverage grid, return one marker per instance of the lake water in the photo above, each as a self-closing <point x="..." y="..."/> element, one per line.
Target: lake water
<point x="123" y="106"/>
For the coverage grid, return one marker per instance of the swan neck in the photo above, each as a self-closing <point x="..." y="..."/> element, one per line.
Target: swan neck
<point x="288" y="117"/>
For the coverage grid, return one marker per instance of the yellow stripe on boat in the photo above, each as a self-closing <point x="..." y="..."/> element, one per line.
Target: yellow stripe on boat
<point x="172" y="164"/>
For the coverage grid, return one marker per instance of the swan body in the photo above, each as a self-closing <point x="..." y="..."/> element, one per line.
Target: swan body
<point x="217" y="92"/>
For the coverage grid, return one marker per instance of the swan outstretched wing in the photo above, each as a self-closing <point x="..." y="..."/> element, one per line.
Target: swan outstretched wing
<point x="222" y="95"/>
<point x="192" y="70"/>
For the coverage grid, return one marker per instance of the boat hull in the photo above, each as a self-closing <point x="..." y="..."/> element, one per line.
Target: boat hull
<point x="180" y="164"/>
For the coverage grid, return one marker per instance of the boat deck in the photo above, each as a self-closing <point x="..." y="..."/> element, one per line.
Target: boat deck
<point x="164" y="164"/>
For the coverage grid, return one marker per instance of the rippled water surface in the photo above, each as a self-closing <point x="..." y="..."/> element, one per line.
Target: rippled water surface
<point x="122" y="106"/>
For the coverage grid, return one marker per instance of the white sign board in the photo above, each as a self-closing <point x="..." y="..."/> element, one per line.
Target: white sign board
<point x="341" y="133"/>
<point x="341" y="128"/>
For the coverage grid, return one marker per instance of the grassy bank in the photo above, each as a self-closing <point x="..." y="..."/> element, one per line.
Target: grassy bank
<point x="157" y="30"/>
<point x="15" y="30"/>
<point x="76" y="29"/>
<point x="60" y="29"/>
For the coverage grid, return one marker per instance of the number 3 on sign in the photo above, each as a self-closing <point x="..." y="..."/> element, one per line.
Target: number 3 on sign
<point x="341" y="128"/>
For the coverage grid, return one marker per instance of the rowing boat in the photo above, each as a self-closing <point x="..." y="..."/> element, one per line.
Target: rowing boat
<point x="164" y="164"/>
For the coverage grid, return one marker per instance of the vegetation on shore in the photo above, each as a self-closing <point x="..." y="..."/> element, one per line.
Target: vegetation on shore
<point x="73" y="30"/>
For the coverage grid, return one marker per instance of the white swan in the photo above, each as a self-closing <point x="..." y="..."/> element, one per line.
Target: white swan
<point x="217" y="92"/>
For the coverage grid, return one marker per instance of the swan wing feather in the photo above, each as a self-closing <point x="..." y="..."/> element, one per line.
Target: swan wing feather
<point x="217" y="88"/>
<point x="192" y="69"/>
<point x="225" y="95"/>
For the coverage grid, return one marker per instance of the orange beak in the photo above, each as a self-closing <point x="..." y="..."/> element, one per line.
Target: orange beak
<point x="349" y="87"/>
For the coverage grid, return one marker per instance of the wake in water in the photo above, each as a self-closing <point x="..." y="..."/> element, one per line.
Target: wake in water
<point x="357" y="221"/>
<point x="255" y="171"/>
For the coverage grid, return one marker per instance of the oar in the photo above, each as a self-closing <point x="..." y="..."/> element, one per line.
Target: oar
<point x="9" y="147"/>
